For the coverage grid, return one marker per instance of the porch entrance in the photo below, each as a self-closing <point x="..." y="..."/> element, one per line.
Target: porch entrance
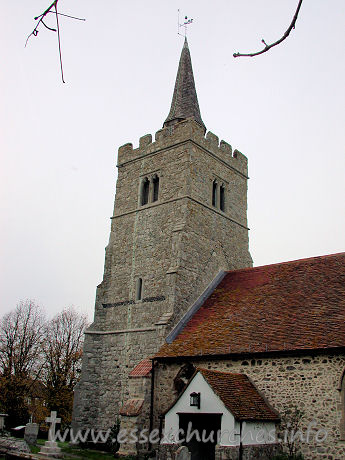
<point x="207" y="426"/>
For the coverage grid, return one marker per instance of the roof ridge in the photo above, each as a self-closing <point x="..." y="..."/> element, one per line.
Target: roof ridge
<point x="295" y="306"/>
<point x="326" y="256"/>
<point x="230" y="395"/>
<point x="202" y="369"/>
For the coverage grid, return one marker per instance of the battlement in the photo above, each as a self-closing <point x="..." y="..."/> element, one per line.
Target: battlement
<point x="186" y="130"/>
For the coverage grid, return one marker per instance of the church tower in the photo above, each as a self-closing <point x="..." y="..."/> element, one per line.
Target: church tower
<point x="180" y="216"/>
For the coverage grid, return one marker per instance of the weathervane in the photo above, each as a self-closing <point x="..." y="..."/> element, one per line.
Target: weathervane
<point x="184" y="24"/>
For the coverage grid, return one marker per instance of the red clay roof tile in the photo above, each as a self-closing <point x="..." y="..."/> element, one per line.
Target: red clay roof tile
<point x="288" y="306"/>
<point x="239" y="395"/>
<point x="142" y="369"/>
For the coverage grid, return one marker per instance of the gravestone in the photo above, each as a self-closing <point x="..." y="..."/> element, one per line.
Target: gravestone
<point x="50" y="448"/>
<point x="30" y="433"/>
<point x="182" y="453"/>
<point x="2" y="421"/>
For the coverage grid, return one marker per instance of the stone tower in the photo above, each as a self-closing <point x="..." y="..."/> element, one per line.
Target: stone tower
<point x="180" y="216"/>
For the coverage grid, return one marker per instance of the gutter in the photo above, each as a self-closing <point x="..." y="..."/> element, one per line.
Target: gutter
<point x="253" y="355"/>
<point x="152" y="399"/>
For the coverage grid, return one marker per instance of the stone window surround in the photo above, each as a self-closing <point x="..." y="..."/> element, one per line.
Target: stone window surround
<point x="145" y="191"/>
<point x="150" y="177"/>
<point x="139" y="289"/>
<point x="220" y="183"/>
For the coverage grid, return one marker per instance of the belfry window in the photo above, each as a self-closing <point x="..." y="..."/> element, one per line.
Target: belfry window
<point x="139" y="289"/>
<point x="222" y="198"/>
<point x="145" y="190"/>
<point x="155" y="183"/>
<point x="214" y="193"/>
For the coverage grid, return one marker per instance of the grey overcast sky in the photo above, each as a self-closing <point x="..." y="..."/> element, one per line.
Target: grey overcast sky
<point x="284" y="110"/>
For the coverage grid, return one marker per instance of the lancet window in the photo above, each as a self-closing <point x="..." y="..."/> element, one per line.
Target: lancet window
<point x="149" y="190"/>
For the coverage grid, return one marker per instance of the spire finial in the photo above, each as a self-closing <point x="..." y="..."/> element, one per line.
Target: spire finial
<point x="184" y="24"/>
<point x="185" y="100"/>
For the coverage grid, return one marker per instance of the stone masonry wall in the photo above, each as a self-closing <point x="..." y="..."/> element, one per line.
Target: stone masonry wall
<point x="308" y="382"/>
<point x="177" y="245"/>
<point x="265" y="452"/>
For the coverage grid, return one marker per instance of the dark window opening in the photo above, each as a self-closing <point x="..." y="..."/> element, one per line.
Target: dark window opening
<point x="183" y="376"/>
<point x="222" y="198"/>
<point x="214" y="193"/>
<point x="155" y="188"/>
<point x="145" y="191"/>
<point x="139" y="292"/>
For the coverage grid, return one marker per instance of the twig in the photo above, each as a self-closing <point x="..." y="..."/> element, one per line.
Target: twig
<point x="287" y="33"/>
<point x="58" y="32"/>
<point x="49" y="28"/>
<point x="40" y="20"/>
<point x="40" y="17"/>
<point x="67" y="16"/>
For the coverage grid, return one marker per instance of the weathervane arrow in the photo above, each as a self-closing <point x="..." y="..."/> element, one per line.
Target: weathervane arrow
<point x="186" y="23"/>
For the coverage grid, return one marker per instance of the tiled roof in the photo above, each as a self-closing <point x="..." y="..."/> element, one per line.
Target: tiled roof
<point x="297" y="305"/>
<point x="132" y="407"/>
<point x="142" y="369"/>
<point x="239" y="395"/>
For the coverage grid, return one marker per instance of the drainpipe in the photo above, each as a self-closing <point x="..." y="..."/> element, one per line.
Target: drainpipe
<point x="152" y="399"/>
<point x="240" y="452"/>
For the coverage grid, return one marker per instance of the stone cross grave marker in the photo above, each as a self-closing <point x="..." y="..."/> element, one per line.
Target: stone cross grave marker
<point x="51" y="448"/>
<point x="183" y="453"/>
<point x="53" y="420"/>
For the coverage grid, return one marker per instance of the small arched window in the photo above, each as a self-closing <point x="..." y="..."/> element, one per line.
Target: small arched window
<point x="222" y="198"/>
<point x="139" y="289"/>
<point x="145" y="190"/>
<point x="214" y="193"/>
<point x="155" y="182"/>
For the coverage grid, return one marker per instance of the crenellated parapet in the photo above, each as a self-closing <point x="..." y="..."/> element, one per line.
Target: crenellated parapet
<point x="186" y="130"/>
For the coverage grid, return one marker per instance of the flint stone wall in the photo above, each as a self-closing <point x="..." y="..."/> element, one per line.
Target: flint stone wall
<point x="177" y="245"/>
<point x="263" y="452"/>
<point x="308" y="382"/>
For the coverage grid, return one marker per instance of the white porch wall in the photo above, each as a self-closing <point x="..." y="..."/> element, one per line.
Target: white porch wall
<point x="210" y="403"/>
<point x="256" y="432"/>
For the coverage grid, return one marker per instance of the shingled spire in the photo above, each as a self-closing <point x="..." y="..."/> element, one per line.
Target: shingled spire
<point x="185" y="101"/>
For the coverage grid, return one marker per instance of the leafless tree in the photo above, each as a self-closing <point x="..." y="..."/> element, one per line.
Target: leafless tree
<point x="35" y="352"/>
<point x="21" y="333"/>
<point x="62" y="349"/>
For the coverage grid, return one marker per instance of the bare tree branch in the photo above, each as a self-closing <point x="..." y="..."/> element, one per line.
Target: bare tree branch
<point x="40" y="21"/>
<point x="59" y="40"/>
<point x="20" y="336"/>
<point x="63" y="352"/>
<point x="268" y="47"/>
